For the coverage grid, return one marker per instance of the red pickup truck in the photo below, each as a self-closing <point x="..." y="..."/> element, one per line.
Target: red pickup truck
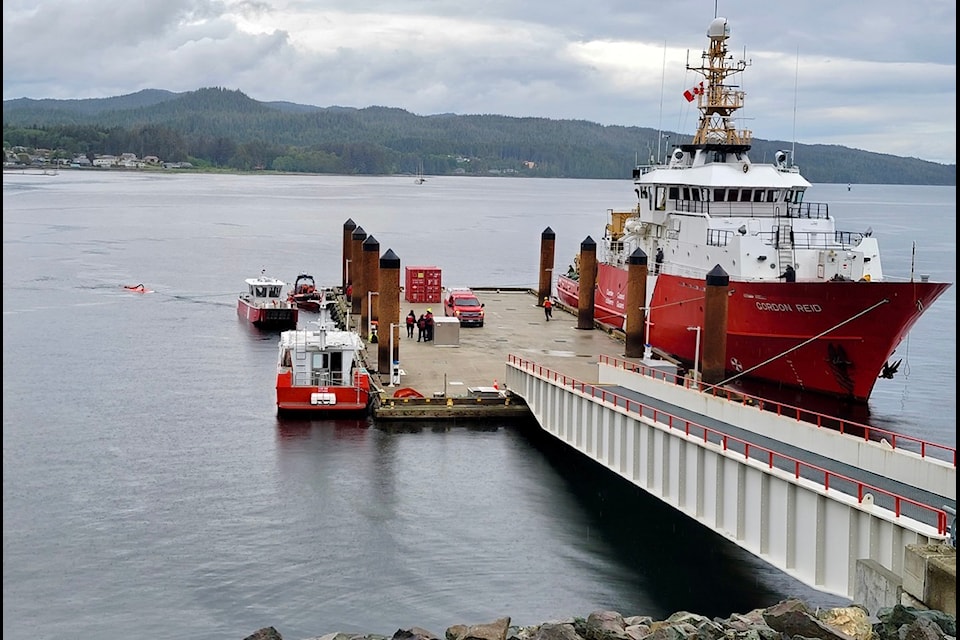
<point x="464" y="305"/>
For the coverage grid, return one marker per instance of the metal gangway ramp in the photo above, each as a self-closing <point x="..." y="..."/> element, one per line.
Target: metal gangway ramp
<point x="810" y="500"/>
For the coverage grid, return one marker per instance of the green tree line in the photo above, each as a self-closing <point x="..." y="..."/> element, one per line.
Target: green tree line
<point x="225" y="129"/>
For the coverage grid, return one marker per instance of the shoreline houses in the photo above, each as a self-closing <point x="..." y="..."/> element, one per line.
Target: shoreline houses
<point x="22" y="157"/>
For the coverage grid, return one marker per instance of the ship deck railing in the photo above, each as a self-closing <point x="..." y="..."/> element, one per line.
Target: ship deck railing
<point x="753" y="209"/>
<point x="814" y="240"/>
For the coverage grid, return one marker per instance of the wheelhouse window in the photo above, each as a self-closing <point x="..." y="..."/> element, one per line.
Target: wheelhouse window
<point x="719" y="195"/>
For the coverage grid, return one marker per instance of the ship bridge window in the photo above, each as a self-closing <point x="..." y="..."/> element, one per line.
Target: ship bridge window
<point x="733" y="195"/>
<point x="746" y="195"/>
<point x="758" y="195"/>
<point x="661" y="198"/>
<point x="674" y="193"/>
<point x="696" y="194"/>
<point x="720" y="195"/>
<point x="771" y="195"/>
<point x="261" y="292"/>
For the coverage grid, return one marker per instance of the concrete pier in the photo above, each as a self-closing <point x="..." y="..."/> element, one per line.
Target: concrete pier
<point x="466" y="379"/>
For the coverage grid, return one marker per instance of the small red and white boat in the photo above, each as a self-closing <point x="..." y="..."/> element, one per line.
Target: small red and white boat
<point x="322" y="371"/>
<point x="265" y="306"/>
<point x="810" y="305"/>
<point x="305" y="295"/>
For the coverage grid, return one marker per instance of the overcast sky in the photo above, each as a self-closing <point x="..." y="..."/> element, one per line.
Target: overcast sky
<point x="877" y="75"/>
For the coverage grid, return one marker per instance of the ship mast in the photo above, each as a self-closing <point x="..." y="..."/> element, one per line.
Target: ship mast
<point x="718" y="101"/>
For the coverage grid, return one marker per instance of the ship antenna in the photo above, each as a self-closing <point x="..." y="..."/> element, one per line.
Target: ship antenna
<point x="796" y="76"/>
<point x="913" y="259"/>
<point x="663" y="74"/>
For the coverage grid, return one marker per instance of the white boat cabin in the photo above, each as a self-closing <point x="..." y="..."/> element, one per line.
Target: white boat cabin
<point x="324" y="357"/>
<point x="264" y="291"/>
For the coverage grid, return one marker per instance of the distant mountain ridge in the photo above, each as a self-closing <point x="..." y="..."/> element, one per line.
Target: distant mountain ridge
<point x="381" y="139"/>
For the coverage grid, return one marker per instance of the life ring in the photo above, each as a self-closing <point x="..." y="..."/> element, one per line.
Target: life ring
<point x="746" y="168"/>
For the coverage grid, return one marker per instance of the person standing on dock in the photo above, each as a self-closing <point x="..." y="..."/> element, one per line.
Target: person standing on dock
<point x="411" y="323"/>
<point x="421" y="328"/>
<point x="547" y="308"/>
<point x="428" y="332"/>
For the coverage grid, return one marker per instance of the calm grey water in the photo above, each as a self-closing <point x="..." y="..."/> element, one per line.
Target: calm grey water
<point x="149" y="490"/>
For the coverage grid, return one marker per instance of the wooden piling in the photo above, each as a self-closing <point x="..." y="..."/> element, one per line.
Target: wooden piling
<point x="588" y="283"/>
<point x="356" y="271"/>
<point x="715" y="325"/>
<point x="548" y="240"/>
<point x="348" y="228"/>
<point x="371" y="280"/>
<point x="636" y="320"/>
<point x="389" y="312"/>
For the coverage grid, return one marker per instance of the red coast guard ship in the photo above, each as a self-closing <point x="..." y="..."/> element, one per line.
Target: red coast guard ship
<point x="831" y="325"/>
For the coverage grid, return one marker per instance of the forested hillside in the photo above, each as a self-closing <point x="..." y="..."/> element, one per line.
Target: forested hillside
<point x="220" y="128"/>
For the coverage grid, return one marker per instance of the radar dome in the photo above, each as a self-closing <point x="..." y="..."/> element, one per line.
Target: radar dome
<point x="719" y="29"/>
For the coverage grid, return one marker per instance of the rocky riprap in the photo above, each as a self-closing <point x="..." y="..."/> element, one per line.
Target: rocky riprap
<point x="786" y="620"/>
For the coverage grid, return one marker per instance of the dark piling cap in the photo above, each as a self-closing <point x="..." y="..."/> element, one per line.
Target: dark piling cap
<point x="389" y="260"/>
<point x="637" y="257"/>
<point x="718" y="277"/>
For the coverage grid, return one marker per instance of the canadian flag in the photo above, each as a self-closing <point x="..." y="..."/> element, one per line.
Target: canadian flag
<point x="693" y="92"/>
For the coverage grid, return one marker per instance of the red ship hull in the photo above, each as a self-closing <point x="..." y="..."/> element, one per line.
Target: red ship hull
<point x="827" y="337"/>
<point x="268" y="317"/>
<point x="353" y="400"/>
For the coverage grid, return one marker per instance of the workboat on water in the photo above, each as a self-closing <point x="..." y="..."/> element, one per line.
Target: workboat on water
<point x="306" y="295"/>
<point x="321" y="370"/>
<point x="809" y="305"/>
<point x="264" y="305"/>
